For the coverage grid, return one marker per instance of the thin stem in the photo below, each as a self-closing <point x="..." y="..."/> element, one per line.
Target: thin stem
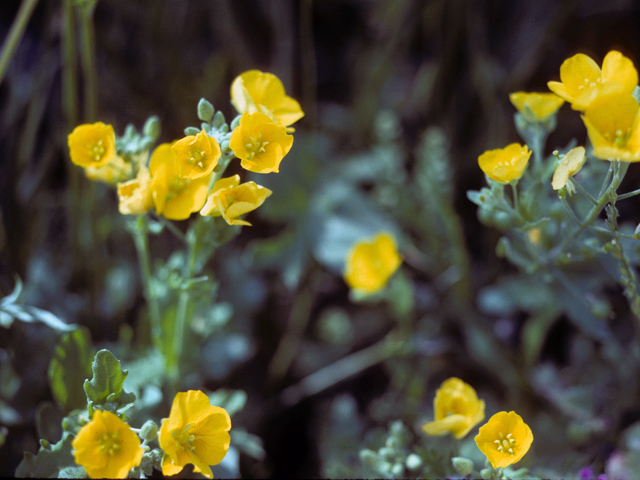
<point x="170" y="226"/>
<point x="584" y="192"/>
<point x="514" y="189"/>
<point x="570" y="210"/>
<point x="141" y="241"/>
<point x="87" y="57"/>
<point x="629" y="195"/>
<point x="607" y="178"/>
<point x="15" y="34"/>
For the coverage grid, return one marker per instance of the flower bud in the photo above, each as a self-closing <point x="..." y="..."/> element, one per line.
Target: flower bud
<point x="486" y="474"/>
<point x="205" y="110"/>
<point x="463" y="466"/>
<point x="369" y="458"/>
<point x="152" y="127"/>
<point x="413" y="461"/>
<point x="218" y="119"/>
<point x="397" y="470"/>
<point x="148" y="431"/>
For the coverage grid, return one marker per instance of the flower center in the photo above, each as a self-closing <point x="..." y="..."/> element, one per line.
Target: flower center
<point x="97" y="150"/>
<point x="505" y="444"/>
<point x="620" y="139"/>
<point x="255" y="146"/>
<point x="109" y="442"/>
<point x="184" y="440"/>
<point x="589" y="84"/>
<point x="198" y="158"/>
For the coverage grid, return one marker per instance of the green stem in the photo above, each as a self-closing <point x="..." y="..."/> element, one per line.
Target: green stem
<point x="628" y="195"/>
<point x="584" y="192"/>
<point x="141" y="241"/>
<point x="88" y="55"/>
<point x="15" y="34"/>
<point x="570" y="210"/>
<point x="514" y="189"/>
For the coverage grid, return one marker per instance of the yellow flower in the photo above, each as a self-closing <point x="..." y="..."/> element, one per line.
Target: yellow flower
<point x="582" y="81"/>
<point x="107" y="447"/>
<point x="92" y="145"/>
<point x="260" y="143"/>
<point x="505" y="164"/>
<point x="570" y="164"/>
<point x="370" y="263"/>
<point x="196" y="155"/>
<point x="613" y="125"/>
<point x="135" y="195"/>
<point x="195" y="432"/>
<point x="231" y="200"/>
<point x="175" y="197"/>
<point x="255" y="91"/>
<point x="457" y="409"/>
<point x="536" y="107"/>
<point x="117" y="170"/>
<point x="504" y="439"/>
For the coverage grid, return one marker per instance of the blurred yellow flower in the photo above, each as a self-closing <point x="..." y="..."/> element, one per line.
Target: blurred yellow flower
<point x="229" y="199"/>
<point x="570" y="164"/>
<point x="255" y="91"/>
<point x="504" y="439"/>
<point x="505" y="164"/>
<point x="260" y="143"/>
<point x="370" y="263"/>
<point x="117" y="170"/>
<point x="107" y="447"/>
<point x="613" y="125"/>
<point x="92" y="145"/>
<point x="582" y="81"/>
<point x="174" y="197"/>
<point x="195" y="432"/>
<point x="135" y="196"/>
<point x="196" y="155"/>
<point x="457" y="409"/>
<point x="536" y="107"/>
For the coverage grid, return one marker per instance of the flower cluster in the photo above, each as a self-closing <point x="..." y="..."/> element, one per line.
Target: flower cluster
<point x="185" y="176"/>
<point x="196" y="432"/>
<point x="504" y="439"/>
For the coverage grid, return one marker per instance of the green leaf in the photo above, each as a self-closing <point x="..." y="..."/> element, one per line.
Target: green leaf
<point x="105" y="388"/>
<point x="69" y="368"/>
<point x="49" y="461"/>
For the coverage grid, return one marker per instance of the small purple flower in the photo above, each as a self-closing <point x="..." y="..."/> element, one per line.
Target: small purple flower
<point x="602" y="476"/>
<point x="586" y="473"/>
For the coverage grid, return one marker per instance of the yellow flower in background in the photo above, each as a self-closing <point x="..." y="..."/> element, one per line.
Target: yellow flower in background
<point x="504" y="439"/>
<point x="92" y="145"/>
<point x="107" y="447"/>
<point x="613" y="125"/>
<point x="457" y="409"/>
<point x="582" y="81"/>
<point x="536" y="107"/>
<point x="135" y="196"/>
<point x="505" y="164"/>
<point x="174" y="197"/>
<point x="196" y="155"/>
<point x="195" y="432"/>
<point x="255" y="91"/>
<point x="117" y="170"/>
<point x="370" y="263"/>
<point x="260" y="143"/>
<point x="568" y="167"/>
<point x="231" y="200"/>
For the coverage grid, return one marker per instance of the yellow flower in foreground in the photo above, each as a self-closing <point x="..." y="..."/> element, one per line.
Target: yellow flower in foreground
<point x="504" y="439"/>
<point x="260" y="143"/>
<point x="195" y="432"/>
<point x="196" y="155"/>
<point x="536" y="107"/>
<point x="370" y="263"/>
<point x="505" y="164"/>
<point x="231" y="200"/>
<point x="613" y="125"/>
<point x="175" y="197"/>
<point x="117" y="170"/>
<point x="457" y="409"/>
<point x="255" y="91"/>
<point x="582" y="81"/>
<point x="107" y="447"/>
<point x="568" y="167"/>
<point x="135" y="195"/>
<point x="92" y="145"/>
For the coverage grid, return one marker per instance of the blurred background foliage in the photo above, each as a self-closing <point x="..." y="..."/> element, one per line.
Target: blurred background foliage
<point x="400" y="96"/>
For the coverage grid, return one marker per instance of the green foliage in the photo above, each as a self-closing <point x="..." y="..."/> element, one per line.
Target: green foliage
<point x="69" y="368"/>
<point x="105" y="390"/>
<point x="51" y="461"/>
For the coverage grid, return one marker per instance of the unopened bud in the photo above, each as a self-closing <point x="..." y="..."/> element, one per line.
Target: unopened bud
<point x="369" y="458"/>
<point x="218" y="119"/>
<point x="486" y="474"/>
<point x="148" y="431"/>
<point x="463" y="466"/>
<point x="205" y="110"/>
<point x="413" y="461"/>
<point x="397" y="470"/>
<point x="152" y="127"/>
